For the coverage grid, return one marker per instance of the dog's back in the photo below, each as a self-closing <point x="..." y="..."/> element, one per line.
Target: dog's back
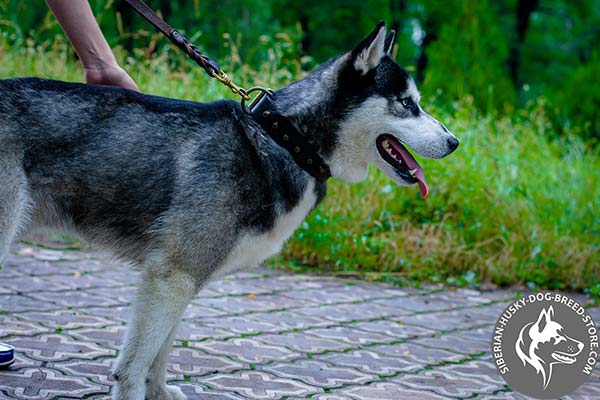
<point x="127" y="169"/>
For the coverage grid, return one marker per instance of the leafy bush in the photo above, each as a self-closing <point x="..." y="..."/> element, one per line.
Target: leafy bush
<point x="511" y="206"/>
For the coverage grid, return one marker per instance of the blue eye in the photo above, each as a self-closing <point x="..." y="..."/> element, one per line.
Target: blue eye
<point x="406" y="103"/>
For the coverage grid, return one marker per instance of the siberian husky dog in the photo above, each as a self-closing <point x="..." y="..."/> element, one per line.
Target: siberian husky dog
<point x="543" y="343"/>
<point x="189" y="191"/>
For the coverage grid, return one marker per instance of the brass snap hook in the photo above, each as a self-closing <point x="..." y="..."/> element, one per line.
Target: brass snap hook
<point x="263" y="92"/>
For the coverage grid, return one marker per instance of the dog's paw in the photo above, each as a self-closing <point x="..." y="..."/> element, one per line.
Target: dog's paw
<point x="175" y="393"/>
<point x="165" y="392"/>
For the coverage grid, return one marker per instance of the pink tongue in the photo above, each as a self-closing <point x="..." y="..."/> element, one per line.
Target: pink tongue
<point x="411" y="163"/>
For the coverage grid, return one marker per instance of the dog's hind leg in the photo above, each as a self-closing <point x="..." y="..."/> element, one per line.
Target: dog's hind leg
<point x="13" y="199"/>
<point x="161" y="299"/>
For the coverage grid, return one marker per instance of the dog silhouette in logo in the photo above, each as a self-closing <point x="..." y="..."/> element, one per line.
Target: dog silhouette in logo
<point x="544" y="343"/>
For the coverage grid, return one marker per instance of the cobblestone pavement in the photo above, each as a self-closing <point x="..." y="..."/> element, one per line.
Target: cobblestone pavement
<point x="258" y="335"/>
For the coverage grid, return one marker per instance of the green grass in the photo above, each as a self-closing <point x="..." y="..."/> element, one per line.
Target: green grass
<point x="509" y="207"/>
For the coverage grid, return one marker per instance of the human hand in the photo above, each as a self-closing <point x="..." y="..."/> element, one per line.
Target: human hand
<point x="110" y="76"/>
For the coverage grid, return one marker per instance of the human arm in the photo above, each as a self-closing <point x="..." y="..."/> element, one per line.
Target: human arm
<point x="99" y="63"/>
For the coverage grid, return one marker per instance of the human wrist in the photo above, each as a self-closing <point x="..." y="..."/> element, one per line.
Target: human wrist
<point x="97" y="61"/>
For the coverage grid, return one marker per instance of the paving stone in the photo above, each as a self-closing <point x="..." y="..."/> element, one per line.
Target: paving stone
<point x="369" y="310"/>
<point x="595" y="314"/>
<point x="241" y="287"/>
<point x="504" y="396"/>
<point x="386" y="391"/>
<point x="32" y="284"/>
<point x="196" y="391"/>
<point x="445" y="320"/>
<point x="191" y="361"/>
<point x="259" y="385"/>
<point x="351" y="312"/>
<point x="468" y="342"/>
<point x="247" y="336"/>
<point x="394" y="329"/>
<point x="419" y="354"/>
<point x="255" y="303"/>
<point x="482" y="369"/>
<point x="419" y="303"/>
<point x="285" y="320"/>
<point x="112" y="277"/>
<point x="325" y="396"/>
<point x="486" y="314"/>
<point x="247" y="350"/>
<point x="11" y="326"/>
<point x="44" y="383"/>
<point x="65" y="319"/>
<point x="198" y="331"/>
<point x="42" y="269"/>
<point x="350" y="335"/>
<point x="446" y="383"/>
<point x="303" y="342"/>
<point x="77" y="298"/>
<point x="9" y="270"/>
<point x="364" y="292"/>
<point x="284" y="284"/>
<point x="15" y="303"/>
<point x="109" y="336"/>
<point x="199" y="310"/>
<point x="319" y="373"/>
<point x="238" y="325"/>
<point x="98" y="370"/>
<point x="479" y="296"/>
<point x="371" y="362"/>
<point x="112" y="313"/>
<point x="254" y="274"/>
<point x="321" y="296"/>
<point x="55" y="347"/>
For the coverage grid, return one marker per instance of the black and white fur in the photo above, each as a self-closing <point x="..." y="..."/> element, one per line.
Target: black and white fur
<point x="189" y="191"/>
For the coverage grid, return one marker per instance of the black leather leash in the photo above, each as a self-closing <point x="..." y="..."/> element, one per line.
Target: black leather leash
<point x="278" y="127"/>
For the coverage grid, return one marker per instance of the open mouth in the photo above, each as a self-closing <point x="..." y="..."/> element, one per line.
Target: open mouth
<point x="405" y="165"/>
<point x="563" y="358"/>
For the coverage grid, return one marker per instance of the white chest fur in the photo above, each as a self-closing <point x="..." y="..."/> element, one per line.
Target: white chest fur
<point x="253" y="248"/>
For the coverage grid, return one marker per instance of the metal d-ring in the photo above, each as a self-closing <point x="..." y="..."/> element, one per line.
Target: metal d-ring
<point x="263" y="92"/>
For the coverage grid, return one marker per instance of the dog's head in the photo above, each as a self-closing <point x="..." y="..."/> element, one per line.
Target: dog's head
<point x="544" y="343"/>
<point x="382" y="117"/>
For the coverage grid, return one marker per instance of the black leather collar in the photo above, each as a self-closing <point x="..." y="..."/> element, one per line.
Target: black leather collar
<point x="281" y="130"/>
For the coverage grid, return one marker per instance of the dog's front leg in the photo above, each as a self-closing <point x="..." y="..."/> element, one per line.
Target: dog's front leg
<point x="155" y="382"/>
<point x="161" y="300"/>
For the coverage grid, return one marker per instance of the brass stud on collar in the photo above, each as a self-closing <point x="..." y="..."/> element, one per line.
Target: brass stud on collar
<point x="297" y="149"/>
<point x="266" y="114"/>
<point x="275" y="125"/>
<point x="309" y="161"/>
<point x="286" y="137"/>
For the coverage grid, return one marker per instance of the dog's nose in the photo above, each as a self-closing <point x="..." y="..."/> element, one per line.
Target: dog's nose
<point x="452" y="143"/>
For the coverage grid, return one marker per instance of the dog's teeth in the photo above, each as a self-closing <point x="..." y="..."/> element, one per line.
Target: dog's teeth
<point x="385" y="144"/>
<point x="412" y="171"/>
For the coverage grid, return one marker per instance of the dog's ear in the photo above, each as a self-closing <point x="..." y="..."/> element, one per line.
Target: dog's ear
<point x="544" y="318"/>
<point x="370" y="51"/>
<point x="389" y="42"/>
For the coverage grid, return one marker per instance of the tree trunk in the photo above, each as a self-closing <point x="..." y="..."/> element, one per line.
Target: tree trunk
<point x="524" y="10"/>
